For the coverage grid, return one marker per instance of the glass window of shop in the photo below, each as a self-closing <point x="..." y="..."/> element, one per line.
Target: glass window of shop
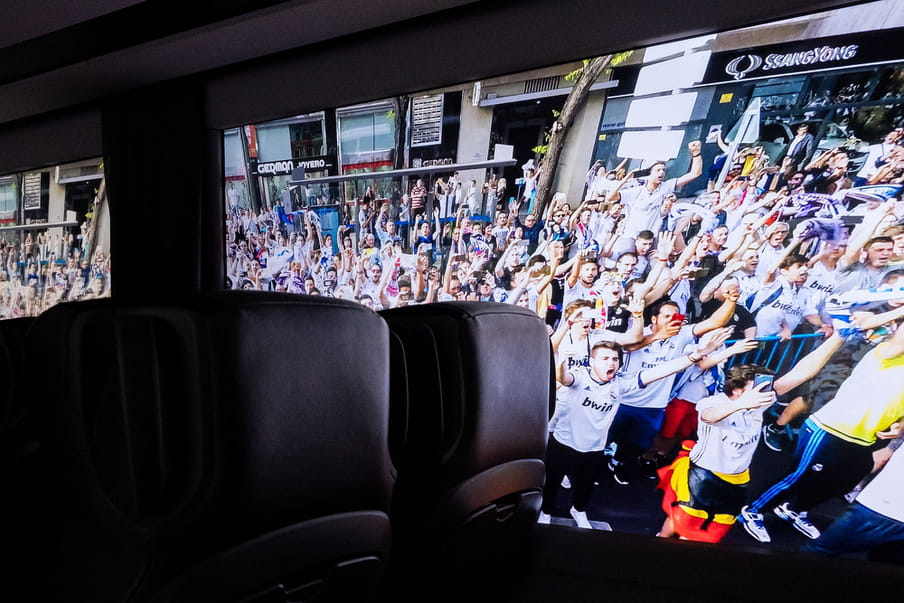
<point x="237" y="194"/>
<point x="7" y="199"/>
<point x="366" y="142"/>
<point x="306" y="139"/>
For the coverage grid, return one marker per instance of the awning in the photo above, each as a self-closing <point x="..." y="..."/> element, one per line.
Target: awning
<point x="298" y="174"/>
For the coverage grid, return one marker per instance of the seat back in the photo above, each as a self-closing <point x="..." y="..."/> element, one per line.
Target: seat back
<point x="228" y="447"/>
<point x="23" y="502"/>
<point x="471" y="446"/>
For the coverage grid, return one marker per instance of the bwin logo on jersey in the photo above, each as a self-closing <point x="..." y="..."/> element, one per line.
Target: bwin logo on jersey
<point x="737" y="71"/>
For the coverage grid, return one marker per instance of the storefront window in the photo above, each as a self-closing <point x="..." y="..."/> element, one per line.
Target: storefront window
<point x="365" y="133"/>
<point x="307" y="139"/>
<point x="7" y="198"/>
<point x="891" y="84"/>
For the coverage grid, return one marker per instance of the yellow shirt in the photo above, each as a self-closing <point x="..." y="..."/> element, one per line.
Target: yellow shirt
<point x="869" y="400"/>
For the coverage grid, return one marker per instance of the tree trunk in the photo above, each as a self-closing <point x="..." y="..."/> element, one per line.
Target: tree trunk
<point x="400" y="106"/>
<point x="559" y="133"/>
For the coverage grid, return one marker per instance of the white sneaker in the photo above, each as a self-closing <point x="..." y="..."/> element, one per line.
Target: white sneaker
<point x="543" y="518"/>
<point x="580" y="517"/>
<point x="566" y="483"/>
<point x="753" y="523"/>
<point x="798" y="520"/>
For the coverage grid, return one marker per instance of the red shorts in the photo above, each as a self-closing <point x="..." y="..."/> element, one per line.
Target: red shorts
<point x="680" y="420"/>
<point x="691" y="523"/>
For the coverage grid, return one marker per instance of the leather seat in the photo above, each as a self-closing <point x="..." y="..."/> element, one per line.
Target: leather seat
<point x="471" y="397"/>
<point x="230" y="447"/>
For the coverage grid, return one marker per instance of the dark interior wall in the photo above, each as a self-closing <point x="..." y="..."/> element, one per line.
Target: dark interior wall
<point x="155" y="165"/>
<point x="61" y="136"/>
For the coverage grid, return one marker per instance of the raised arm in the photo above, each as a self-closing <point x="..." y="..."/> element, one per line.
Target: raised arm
<point x="614" y="194"/>
<point x="696" y="164"/>
<point x="770" y="276"/>
<point x="807" y="367"/>
<point x="863" y="232"/>
<point x="572" y="279"/>
<point x="716" y="281"/>
<point x="720" y="317"/>
<point x="634" y="334"/>
<point x="563" y="376"/>
<point x="663" y="250"/>
<point x="666" y="369"/>
<point x="739" y="347"/>
<point x="749" y="400"/>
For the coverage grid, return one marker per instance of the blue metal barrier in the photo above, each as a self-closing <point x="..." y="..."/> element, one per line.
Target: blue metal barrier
<point x="775" y="354"/>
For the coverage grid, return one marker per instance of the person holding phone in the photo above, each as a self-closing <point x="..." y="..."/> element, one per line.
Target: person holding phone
<point x="590" y="400"/>
<point x="640" y="416"/>
<point x="705" y="490"/>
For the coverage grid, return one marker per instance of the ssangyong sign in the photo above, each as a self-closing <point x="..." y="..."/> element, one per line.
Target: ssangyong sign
<point x="795" y="57"/>
<point x="749" y="63"/>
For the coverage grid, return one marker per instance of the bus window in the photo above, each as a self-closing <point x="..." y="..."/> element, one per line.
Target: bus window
<point x="695" y="222"/>
<point x="54" y="237"/>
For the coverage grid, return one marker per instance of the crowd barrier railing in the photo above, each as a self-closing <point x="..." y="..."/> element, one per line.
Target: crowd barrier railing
<point x="775" y="354"/>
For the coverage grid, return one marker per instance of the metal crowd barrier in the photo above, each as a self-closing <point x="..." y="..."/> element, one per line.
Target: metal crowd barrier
<point x="775" y="354"/>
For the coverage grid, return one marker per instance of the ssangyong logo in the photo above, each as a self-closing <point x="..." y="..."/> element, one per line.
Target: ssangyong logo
<point x="740" y="66"/>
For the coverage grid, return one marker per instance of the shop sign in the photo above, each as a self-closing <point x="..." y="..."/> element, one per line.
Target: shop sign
<point x="821" y="53"/>
<point x="31" y="191"/>
<point x="418" y="162"/>
<point x="286" y="166"/>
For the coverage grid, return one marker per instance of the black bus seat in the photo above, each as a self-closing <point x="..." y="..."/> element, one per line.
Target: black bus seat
<point x="468" y="437"/>
<point x="227" y="447"/>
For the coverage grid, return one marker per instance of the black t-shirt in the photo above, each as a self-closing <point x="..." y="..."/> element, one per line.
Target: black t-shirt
<point x="741" y="320"/>
<point x="617" y="319"/>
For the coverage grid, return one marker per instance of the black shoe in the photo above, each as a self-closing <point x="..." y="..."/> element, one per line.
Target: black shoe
<point x="648" y="468"/>
<point x="774" y="437"/>
<point x="619" y="473"/>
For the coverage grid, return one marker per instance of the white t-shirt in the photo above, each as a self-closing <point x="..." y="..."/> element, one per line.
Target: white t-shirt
<point x="643" y="206"/>
<point x="884" y="494"/>
<point x="656" y="394"/>
<point x="823" y="282"/>
<point x="769" y="256"/>
<point x="748" y="283"/>
<point x="579" y="291"/>
<point x="586" y="408"/>
<point x="791" y="305"/>
<point x="681" y="294"/>
<point x="728" y="445"/>
<point x="576" y="350"/>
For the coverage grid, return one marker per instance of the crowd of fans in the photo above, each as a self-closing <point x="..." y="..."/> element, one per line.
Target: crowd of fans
<point x="38" y="271"/>
<point x="640" y="290"/>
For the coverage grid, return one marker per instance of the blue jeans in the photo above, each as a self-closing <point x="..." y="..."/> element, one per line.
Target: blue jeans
<point x="633" y="430"/>
<point x="859" y="530"/>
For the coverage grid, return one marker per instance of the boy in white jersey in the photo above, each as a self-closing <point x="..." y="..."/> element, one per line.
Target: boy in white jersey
<point x="589" y="399"/>
<point x="705" y="490"/>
